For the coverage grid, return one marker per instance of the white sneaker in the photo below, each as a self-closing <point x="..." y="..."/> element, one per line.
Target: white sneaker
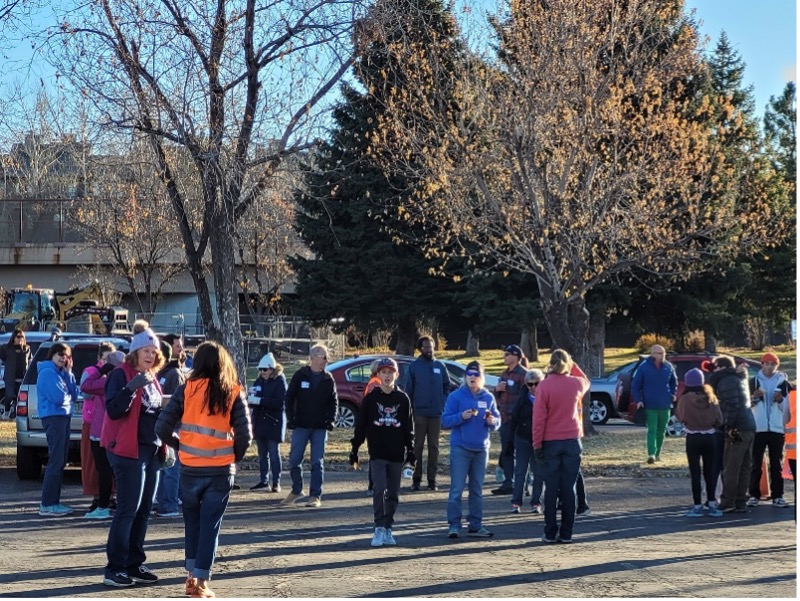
<point x="779" y="502"/>
<point x="379" y="537"/>
<point x="752" y="502"/>
<point x="388" y="539"/>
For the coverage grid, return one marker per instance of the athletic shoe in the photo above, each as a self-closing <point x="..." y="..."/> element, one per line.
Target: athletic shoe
<point x="453" y="532"/>
<point x="203" y="592"/>
<point x="515" y="509"/>
<point x="101" y="513"/>
<point x="566" y="541"/>
<point x="276" y="488"/>
<point x="143" y="575"/>
<point x="190" y="585"/>
<point x="291" y="498"/>
<point x="651" y="459"/>
<point x="314" y="501"/>
<point x="502" y="491"/>
<point x="583" y="511"/>
<point x="549" y="541"/>
<point x="236" y="487"/>
<point x="117" y="579"/>
<point x="388" y="539"/>
<point x="658" y="458"/>
<point x="713" y="510"/>
<point x="536" y="508"/>
<point x="168" y="514"/>
<point x="480" y="533"/>
<point x="54" y="510"/>
<point x="415" y="487"/>
<point x="726" y="508"/>
<point x="95" y="504"/>
<point x="752" y="502"/>
<point x="696" y="511"/>
<point x="259" y="486"/>
<point x="779" y="502"/>
<point x="432" y="486"/>
<point x="741" y="510"/>
<point x="378" y="537"/>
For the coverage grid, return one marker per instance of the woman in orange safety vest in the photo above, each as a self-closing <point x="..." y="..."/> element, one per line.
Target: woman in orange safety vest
<point x="208" y="423"/>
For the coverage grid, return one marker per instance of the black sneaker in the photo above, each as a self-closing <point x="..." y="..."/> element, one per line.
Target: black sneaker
<point x="112" y="505"/>
<point x="143" y="575"/>
<point x="502" y="491"/>
<point x="94" y="505"/>
<point x="259" y="486"/>
<point x="432" y="486"/>
<point x="117" y="579"/>
<point x="415" y="486"/>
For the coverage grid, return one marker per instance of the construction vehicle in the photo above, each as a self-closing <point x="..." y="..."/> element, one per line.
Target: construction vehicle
<point x="40" y="309"/>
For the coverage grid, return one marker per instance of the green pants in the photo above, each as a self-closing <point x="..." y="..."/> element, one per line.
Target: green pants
<point x="657" y="420"/>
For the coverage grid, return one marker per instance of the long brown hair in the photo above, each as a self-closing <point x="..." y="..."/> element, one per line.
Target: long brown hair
<point x="213" y="363"/>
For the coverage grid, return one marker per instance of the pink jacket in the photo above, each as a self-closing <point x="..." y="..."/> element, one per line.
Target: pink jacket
<point x="557" y="412"/>
<point x="93" y="386"/>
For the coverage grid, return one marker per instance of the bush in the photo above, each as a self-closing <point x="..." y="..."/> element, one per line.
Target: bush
<point x="695" y="341"/>
<point x="645" y="341"/>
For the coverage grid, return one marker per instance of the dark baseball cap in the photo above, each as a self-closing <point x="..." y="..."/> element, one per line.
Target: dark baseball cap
<point x="513" y="349"/>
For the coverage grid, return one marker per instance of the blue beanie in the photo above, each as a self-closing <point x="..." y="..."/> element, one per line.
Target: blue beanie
<point x="693" y="378"/>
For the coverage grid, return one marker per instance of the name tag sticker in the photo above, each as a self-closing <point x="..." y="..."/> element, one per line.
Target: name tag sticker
<point x="481" y="404"/>
<point x="511" y="382"/>
<point x="304" y="385"/>
<point x="436" y="370"/>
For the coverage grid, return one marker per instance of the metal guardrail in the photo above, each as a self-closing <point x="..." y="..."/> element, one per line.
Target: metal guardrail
<point x="39" y="221"/>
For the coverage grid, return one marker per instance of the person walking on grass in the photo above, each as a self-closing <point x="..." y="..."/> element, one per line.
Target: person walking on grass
<point x="385" y="421"/>
<point x="698" y="410"/>
<point x="311" y="405"/>
<point x="56" y="391"/>
<point x="557" y="433"/>
<point x="267" y="400"/>
<point x="653" y="389"/>
<point x="210" y="418"/>
<point x="471" y="414"/>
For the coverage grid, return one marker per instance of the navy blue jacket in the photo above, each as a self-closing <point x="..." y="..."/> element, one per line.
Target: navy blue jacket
<point x="427" y="385"/>
<point x="269" y="416"/>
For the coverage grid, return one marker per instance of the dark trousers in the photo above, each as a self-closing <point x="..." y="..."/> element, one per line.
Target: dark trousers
<point x="524" y="461"/>
<point x="736" y="462"/>
<point x="136" y="481"/>
<point x="506" y="460"/>
<point x="562" y="464"/>
<point x="580" y="492"/>
<point x="773" y="443"/>
<point x="56" y="429"/>
<point x="386" y="487"/>
<point x="426" y="428"/>
<point x="719" y="451"/>
<point x="701" y="448"/>
<point x="205" y="499"/>
<point x="105" y="477"/>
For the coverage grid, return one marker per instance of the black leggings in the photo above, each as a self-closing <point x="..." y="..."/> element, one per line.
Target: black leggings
<point x="104" y="474"/>
<point x="701" y="447"/>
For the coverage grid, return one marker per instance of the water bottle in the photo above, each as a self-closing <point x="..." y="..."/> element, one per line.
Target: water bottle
<point x="407" y="472"/>
<point x="499" y="474"/>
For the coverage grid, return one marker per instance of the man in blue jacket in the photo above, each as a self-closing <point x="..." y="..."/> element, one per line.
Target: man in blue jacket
<point x="653" y="388"/>
<point x="427" y="385"/>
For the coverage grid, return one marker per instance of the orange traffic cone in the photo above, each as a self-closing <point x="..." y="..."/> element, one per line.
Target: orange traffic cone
<point x="764" y="486"/>
<point x="787" y="473"/>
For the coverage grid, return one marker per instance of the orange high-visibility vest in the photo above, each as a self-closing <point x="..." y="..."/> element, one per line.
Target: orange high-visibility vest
<point x="206" y="440"/>
<point x="791" y="428"/>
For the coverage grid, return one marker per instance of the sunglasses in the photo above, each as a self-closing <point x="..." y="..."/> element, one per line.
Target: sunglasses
<point x="264" y="368"/>
<point x="473" y="374"/>
<point x="63" y="354"/>
<point x="21" y="336"/>
<point x="531" y="384"/>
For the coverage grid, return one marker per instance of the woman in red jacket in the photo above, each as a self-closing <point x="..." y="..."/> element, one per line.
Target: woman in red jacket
<point x="557" y="432"/>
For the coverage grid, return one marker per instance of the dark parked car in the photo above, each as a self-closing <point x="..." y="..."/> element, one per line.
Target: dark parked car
<point x="351" y="377"/>
<point x="31" y="439"/>
<point x="683" y="362"/>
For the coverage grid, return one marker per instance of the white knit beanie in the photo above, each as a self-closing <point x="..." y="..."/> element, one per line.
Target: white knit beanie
<point x="143" y="340"/>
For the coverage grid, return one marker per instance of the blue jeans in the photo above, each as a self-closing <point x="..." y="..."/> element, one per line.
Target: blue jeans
<point x="465" y="463"/>
<point x="562" y="463"/>
<point x="205" y="499"/>
<point x="300" y="439"/>
<point x="136" y="481"/>
<point x="56" y="428"/>
<point x="269" y="459"/>
<point x="168" y="486"/>
<point x="524" y="461"/>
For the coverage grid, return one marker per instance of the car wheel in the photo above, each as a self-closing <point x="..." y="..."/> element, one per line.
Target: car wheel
<point x="599" y="412"/>
<point x="29" y="464"/>
<point x="675" y="427"/>
<point x="345" y="416"/>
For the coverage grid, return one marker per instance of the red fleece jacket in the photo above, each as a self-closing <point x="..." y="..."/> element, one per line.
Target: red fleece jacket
<point x="557" y="412"/>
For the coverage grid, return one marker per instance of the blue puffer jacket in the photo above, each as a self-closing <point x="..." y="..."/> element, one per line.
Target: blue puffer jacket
<point x="427" y="384"/>
<point x="654" y="386"/>
<point x="472" y="434"/>
<point x="55" y="390"/>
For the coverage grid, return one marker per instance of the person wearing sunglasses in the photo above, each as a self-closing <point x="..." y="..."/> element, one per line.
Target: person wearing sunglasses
<point x="471" y="413"/>
<point x="521" y="423"/>
<point x="16" y="356"/>
<point x="56" y="391"/>
<point x="267" y="401"/>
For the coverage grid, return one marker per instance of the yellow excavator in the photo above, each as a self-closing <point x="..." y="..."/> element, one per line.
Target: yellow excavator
<point x="40" y="309"/>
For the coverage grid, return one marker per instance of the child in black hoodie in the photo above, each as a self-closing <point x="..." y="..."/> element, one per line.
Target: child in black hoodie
<point x="386" y="422"/>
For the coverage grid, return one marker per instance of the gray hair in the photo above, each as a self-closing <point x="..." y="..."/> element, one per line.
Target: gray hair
<point x="318" y="350"/>
<point x="534" y="375"/>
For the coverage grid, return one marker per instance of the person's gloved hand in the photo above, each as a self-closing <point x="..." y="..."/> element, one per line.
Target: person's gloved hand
<point x="539" y="455"/>
<point x="107" y="369"/>
<point x="411" y="458"/>
<point x="354" y="459"/>
<point x="139" y="381"/>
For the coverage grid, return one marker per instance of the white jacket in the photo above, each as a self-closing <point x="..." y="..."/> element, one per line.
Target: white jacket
<point x="767" y="413"/>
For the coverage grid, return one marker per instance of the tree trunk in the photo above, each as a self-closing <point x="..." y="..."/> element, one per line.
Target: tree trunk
<point x="473" y="344"/>
<point x="406" y="337"/>
<point x="597" y="345"/>
<point x="711" y="343"/>
<point x="529" y="342"/>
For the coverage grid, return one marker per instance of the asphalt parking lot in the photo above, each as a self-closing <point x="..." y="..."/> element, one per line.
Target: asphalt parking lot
<point x="635" y="543"/>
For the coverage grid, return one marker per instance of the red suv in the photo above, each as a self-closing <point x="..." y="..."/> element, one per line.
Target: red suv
<point x="682" y="362"/>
